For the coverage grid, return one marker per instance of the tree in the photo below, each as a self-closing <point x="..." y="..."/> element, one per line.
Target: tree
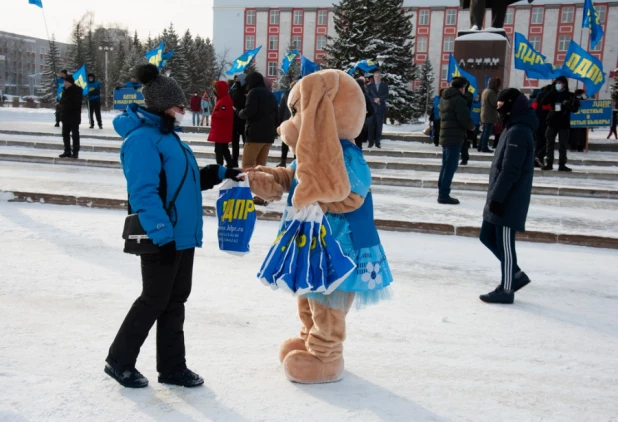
<point x="377" y="29"/>
<point x="78" y="52"/>
<point x="116" y="77"/>
<point x="202" y="65"/>
<point x="178" y="64"/>
<point x="52" y="61"/>
<point x="423" y="94"/>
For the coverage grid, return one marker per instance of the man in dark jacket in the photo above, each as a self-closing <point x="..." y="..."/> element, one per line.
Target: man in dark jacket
<point x="369" y="115"/>
<point x="94" y="100"/>
<point x="71" y="109"/>
<point x="239" y="97"/>
<point x="260" y="114"/>
<point x="510" y="188"/>
<point x="378" y="93"/>
<point x="455" y="121"/>
<point x="284" y="115"/>
<point x="562" y="103"/>
<point x="540" y="138"/>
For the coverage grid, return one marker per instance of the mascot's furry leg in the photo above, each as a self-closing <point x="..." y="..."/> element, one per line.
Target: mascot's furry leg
<point x="322" y="361"/>
<point x="298" y="343"/>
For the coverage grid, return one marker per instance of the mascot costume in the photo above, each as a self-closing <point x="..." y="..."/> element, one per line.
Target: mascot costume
<point x="328" y="113"/>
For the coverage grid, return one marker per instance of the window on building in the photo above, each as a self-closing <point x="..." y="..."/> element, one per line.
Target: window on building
<point x="421" y="44"/>
<point x="535" y="40"/>
<point x="537" y="15"/>
<point x="322" y="17"/>
<point x="250" y="17"/>
<point x="567" y="15"/>
<point x="602" y="11"/>
<point x="321" y="43"/>
<point x="510" y="16"/>
<point x="272" y="69"/>
<point x="273" y="42"/>
<point x="449" y="44"/>
<point x="423" y="17"/>
<point x="274" y="17"/>
<point x="250" y="42"/>
<point x="563" y="43"/>
<point x="451" y="16"/>
<point x="298" y="17"/>
<point x="444" y="72"/>
<point x="297" y="42"/>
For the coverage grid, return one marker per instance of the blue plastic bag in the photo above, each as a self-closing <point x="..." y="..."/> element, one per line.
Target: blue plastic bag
<point x="273" y="264"/>
<point x="339" y="266"/>
<point x="236" y="216"/>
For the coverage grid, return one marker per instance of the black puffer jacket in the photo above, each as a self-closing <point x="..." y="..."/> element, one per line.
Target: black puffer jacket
<point x="512" y="170"/>
<point x="562" y="104"/>
<point x="260" y="112"/>
<point x="455" y="118"/>
<point x="71" y="104"/>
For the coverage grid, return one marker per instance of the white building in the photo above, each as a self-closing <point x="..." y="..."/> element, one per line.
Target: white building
<point x="240" y="25"/>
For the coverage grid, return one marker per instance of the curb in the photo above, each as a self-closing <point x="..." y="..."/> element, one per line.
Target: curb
<point x="387" y="225"/>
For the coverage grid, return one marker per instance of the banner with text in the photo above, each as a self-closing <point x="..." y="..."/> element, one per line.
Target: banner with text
<point x="593" y="113"/>
<point x="125" y="96"/>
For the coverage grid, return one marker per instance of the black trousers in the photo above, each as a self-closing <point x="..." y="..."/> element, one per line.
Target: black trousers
<point x="95" y="108"/>
<point x="500" y="240"/>
<point x="165" y="289"/>
<point x="70" y="128"/>
<point x="239" y="130"/>
<point x="222" y="152"/>
<point x="285" y="149"/>
<point x="563" y="140"/>
<point x="58" y="116"/>
<point x="540" y="137"/>
<point x="436" y="132"/>
<point x="498" y="13"/>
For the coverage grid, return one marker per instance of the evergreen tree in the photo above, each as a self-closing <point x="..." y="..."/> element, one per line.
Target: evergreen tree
<point x="372" y="29"/>
<point x="178" y="65"/>
<point x="202" y="66"/>
<point x="120" y="59"/>
<point x="78" y="53"/>
<point x="615" y="89"/>
<point x="292" y="74"/>
<point x="135" y="43"/>
<point x="423" y="94"/>
<point x="134" y="58"/>
<point x="52" y="61"/>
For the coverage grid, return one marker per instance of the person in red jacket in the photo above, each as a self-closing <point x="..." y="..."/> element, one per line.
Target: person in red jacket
<point x="222" y="124"/>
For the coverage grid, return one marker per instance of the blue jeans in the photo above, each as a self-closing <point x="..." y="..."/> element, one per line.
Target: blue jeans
<point x="196" y="118"/>
<point x="500" y="241"/>
<point x="450" y="162"/>
<point x="488" y="129"/>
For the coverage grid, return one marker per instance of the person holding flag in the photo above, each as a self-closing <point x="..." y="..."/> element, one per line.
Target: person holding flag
<point x="71" y="109"/>
<point x="94" y="100"/>
<point x="59" y="88"/>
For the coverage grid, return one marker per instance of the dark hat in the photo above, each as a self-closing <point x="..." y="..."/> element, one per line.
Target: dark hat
<point x="64" y="71"/>
<point x="508" y="95"/>
<point x="459" y="82"/>
<point x="91" y="75"/>
<point x="513" y="104"/>
<point x="562" y="79"/>
<point x="69" y="79"/>
<point x="160" y="92"/>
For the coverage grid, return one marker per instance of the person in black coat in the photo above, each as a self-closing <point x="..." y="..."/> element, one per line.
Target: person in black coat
<point x="284" y="115"/>
<point x="369" y="115"/>
<point x="71" y="109"/>
<point x="261" y="115"/>
<point x="510" y="188"/>
<point x="239" y="97"/>
<point x="539" y="135"/>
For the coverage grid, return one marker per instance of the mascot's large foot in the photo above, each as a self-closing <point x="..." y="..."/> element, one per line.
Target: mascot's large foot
<point x="304" y="368"/>
<point x="290" y="345"/>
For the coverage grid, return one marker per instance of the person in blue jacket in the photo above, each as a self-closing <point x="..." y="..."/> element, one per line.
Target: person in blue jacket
<point x="94" y="100"/>
<point x="510" y="188"/>
<point x="158" y="167"/>
<point x="59" y="88"/>
<point x="434" y="117"/>
<point x="133" y="83"/>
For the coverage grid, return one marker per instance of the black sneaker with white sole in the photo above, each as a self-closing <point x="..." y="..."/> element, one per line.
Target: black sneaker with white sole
<point x="131" y="378"/>
<point x="520" y="281"/>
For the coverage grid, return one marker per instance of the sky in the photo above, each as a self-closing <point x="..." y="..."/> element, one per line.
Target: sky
<point x="145" y="16"/>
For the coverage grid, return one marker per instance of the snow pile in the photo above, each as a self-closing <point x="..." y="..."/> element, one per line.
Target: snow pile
<point x="481" y="36"/>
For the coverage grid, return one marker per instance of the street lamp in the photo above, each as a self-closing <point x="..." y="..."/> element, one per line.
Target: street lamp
<point x="107" y="48"/>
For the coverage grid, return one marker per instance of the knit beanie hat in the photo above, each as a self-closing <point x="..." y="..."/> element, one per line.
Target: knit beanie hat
<point x="160" y="92"/>
<point x="508" y="96"/>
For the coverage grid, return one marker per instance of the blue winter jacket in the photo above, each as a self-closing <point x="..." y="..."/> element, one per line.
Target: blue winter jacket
<point x="147" y="150"/>
<point x="512" y="170"/>
<point x="94" y="90"/>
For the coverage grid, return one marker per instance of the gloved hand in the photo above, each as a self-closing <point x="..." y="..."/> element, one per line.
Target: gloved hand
<point x="496" y="208"/>
<point x="168" y="253"/>
<point x="234" y="175"/>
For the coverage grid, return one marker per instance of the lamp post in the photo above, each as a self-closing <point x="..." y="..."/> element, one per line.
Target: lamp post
<point x="106" y="47"/>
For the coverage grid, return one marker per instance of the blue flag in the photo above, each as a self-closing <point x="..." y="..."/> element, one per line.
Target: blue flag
<point x="364" y="65"/>
<point x="81" y="79"/>
<point x="583" y="66"/>
<point x="288" y="60"/>
<point x="454" y="71"/>
<point x="534" y="63"/>
<point x="36" y="3"/>
<point x="307" y="67"/>
<point x="166" y="57"/>
<point x="156" y="56"/>
<point x="241" y="63"/>
<point x="592" y="22"/>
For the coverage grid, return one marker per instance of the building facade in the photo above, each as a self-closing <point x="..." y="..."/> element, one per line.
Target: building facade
<point x="23" y="62"/>
<point x="276" y="25"/>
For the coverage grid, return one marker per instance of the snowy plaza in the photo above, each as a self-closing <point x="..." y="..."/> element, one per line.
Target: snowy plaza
<point x="434" y="352"/>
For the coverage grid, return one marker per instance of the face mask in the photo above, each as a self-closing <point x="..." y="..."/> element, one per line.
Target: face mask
<point x="559" y="87"/>
<point x="178" y="117"/>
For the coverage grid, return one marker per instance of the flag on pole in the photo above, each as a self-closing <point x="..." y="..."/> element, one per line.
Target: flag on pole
<point x="534" y="63"/>
<point x="241" y="63"/>
<point x="156" y="57"/>
<point x="36" y="3"/>
<point x="593" y="23"/>
<point x="307" y="67"/>
<point x="166" y="57"/>
<point x="454" y="71"/>
<point x="364" y="65"/>
<point x="583" y="66"/>
<point x="288" y="60"/>
<point x="81" y="79"/>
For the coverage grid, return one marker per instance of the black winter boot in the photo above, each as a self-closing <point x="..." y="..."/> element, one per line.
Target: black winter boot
<point x="65" y="154"/>
<point x="499" y="295"/>
<point x="183" y="378"/>
<point x="131" y="378"/>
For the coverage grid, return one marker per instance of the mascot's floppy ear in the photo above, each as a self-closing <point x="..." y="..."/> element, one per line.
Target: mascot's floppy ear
<point x="321" y="172"/>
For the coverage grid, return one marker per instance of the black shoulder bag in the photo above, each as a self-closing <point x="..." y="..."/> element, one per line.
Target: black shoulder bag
<point x="136" y="241"/>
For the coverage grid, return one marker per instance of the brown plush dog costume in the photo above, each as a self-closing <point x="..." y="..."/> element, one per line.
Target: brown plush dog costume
<point x="327" y="107"/>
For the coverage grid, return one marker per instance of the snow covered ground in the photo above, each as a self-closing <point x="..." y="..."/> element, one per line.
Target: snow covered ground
<point x="433" y="353"/>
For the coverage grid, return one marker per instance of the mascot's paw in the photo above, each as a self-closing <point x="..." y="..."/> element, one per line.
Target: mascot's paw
<point x="290" y="345"/>
<point x="304" y="368"/>
<point x="265" y="186"/>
